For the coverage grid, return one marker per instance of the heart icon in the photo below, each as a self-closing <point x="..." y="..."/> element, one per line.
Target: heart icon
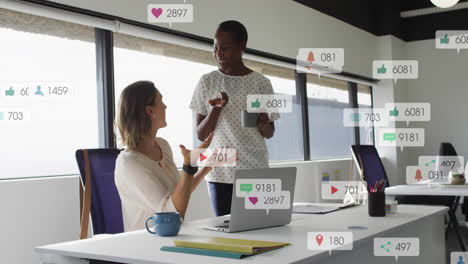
<point x="156" y="12"/>
<point x="253" y="200"/>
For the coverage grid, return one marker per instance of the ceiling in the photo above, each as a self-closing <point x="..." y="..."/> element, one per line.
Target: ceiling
<point x="382" y="17"/>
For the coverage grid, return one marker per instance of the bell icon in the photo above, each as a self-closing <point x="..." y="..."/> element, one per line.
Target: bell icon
<point x="418" y="176"/>
<point x="310" y="59"/>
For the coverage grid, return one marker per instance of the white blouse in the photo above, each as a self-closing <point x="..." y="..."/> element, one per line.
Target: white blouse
<point x="144" y="185"/>
<point x="248" y="142"/>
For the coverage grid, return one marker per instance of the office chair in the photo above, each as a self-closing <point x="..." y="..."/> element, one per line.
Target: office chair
<point x="98" y="193"/>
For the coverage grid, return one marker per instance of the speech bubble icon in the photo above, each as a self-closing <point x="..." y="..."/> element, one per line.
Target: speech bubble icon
<point x="257" y="187"/>
<point x="389" y="137"/>
<point x="271" y="201"/>
<point x="246" y="187"/>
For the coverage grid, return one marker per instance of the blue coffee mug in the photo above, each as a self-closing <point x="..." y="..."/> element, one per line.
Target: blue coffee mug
<point x="165" y="224"/>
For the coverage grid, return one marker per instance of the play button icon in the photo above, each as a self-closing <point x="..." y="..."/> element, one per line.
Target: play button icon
<point x="333" y="189"/>
<point x="202" y="157"/>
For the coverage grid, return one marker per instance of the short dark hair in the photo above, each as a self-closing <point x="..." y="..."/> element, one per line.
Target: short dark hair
<point x="238" y="30"/>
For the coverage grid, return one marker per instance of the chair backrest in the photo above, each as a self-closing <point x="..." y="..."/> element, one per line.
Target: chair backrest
<point x="106" y="209"/>
<point x="447" y="149"/>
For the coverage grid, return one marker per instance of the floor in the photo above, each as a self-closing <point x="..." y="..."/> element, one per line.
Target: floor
<point x="452" y="241"/>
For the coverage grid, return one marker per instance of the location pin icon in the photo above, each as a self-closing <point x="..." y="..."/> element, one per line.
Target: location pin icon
<point x="319" y="239"/>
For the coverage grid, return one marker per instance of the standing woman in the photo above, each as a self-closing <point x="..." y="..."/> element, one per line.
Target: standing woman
<point x="230" y="85"/>
<point x="146" y="176"/>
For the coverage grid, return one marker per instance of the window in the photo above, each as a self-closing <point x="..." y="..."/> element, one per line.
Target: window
<point x="37" y="51"/>
<point x="175" y="73"/>
<point x="327" y="98"/>
<point x="287" y="143"/>
<point x="366" y="134"/>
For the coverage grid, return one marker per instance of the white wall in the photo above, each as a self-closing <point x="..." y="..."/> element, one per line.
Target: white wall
<point x="443" y="82"/>
<point x="36" y="212"/>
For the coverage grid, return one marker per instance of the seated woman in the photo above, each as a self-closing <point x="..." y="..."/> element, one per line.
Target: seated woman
<point x="146" y="177"/>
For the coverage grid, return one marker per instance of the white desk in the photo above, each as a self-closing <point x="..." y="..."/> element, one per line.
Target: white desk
<point x="436" y="190"/>
<point x="140" y="247"/>
<point x="429" y="190"/>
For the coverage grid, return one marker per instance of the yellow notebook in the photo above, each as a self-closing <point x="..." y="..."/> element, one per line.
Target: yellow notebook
<point x="244" y="246"/>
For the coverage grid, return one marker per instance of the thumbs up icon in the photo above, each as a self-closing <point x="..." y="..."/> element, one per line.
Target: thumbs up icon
<point x="444" y="40"/>
<point x="394" y="112"/>
<point x="382" y="70"/>
<point x="10" y="92"/>
<point x="255" y="104"/>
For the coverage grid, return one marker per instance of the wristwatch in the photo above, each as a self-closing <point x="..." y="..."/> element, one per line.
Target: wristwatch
<point x="189" y="169"/>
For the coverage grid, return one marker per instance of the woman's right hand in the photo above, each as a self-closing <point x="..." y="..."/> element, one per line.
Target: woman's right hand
<point x="186" y="152"/>
<point x="220" y="101"/>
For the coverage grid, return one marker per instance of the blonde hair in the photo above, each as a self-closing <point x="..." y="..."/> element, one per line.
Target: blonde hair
<point x="132" y="121"/>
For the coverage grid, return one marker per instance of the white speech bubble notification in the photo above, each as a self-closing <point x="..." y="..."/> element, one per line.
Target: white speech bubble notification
<point x="365" y="117"/>
<point x="14" y="116"/>
<point x="443" y="163"/>
<point x="396" y="246"/>
<point x="269" y="103"/>
<point x="213" y="157"/>
<point x="36" y="91"/>
<point x="395" y="69"/>
<point x="409" y="112"/>
<point x="320" y="60"/>
<point x="458" y="257"/>
<point x="271" y="201"/>
<point x="170" y="13"/>
<point x="401" y="137"/>
<point x="451" y="39"/>
<point x="337" y="190"/>
<point x="256" y="187"/>
<point x="329" y="241"/>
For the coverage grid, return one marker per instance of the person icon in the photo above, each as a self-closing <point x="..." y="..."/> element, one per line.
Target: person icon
<point x="460" y="260"/>
<point x="38" y="91"/>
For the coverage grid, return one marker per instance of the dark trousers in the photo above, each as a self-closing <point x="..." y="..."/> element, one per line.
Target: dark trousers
<point x="221" y="195"/>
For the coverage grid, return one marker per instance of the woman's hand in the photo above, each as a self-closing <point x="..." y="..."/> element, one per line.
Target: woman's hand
<point x="264" y="125"/>
<point x="220" y="101"/>
<point x="186" y="152"/>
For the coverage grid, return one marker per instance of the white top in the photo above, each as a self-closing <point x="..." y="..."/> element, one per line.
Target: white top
<point x="429" y="190"/>
<point x="141" y="247"/>
<point x="229" y="132"/>
<point x="145" y="186"/>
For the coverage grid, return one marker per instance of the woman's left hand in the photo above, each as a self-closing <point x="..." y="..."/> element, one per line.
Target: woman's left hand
<point x="186" y="152"/>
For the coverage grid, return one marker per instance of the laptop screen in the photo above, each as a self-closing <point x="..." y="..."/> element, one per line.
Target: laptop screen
<point x="370" y="164"/>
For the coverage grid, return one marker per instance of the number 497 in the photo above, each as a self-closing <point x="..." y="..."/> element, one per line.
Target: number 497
<point x="403" y="246"/>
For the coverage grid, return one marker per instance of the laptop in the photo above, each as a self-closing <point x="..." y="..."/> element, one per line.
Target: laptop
<point x="242" y="219"/>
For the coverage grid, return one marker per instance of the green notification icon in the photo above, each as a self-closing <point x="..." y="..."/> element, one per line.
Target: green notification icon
<point x="256" y="104"/>
<point x="445" y="39"/>
<point x="394" y="112"/>
<point x="246" y="187"/>
<point x="382" y="70"/>
<point x="389" y="137"/>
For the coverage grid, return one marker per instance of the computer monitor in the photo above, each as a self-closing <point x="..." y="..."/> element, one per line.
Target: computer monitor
<point x="369" y="164"/>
